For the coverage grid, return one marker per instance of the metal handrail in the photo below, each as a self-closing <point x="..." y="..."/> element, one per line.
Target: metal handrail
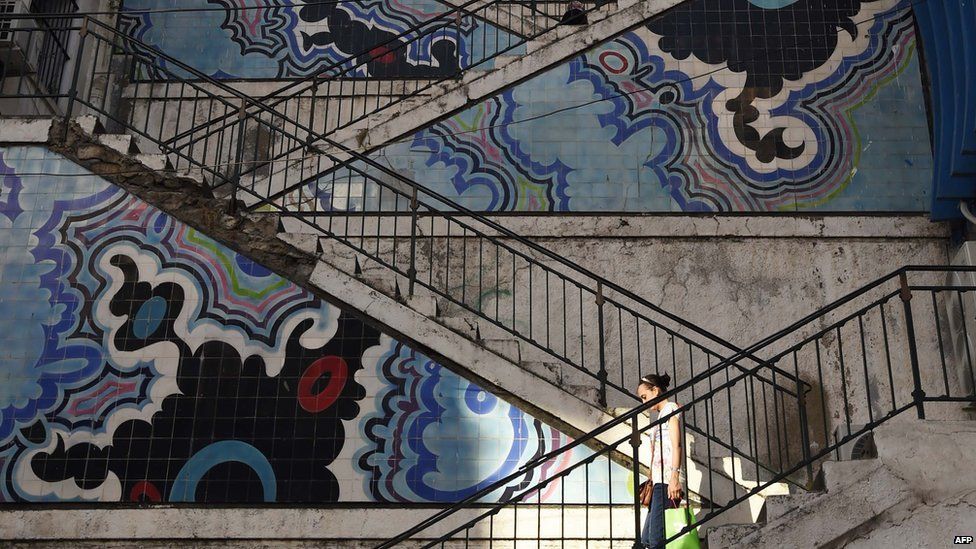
<point x="807" y="458"/>
<point x="450" y="209"/>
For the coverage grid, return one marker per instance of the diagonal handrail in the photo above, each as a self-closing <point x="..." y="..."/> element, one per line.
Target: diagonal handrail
<point x="912" y="396"/>
<point x="360" y="61"/>
<point x="586" y="282"/>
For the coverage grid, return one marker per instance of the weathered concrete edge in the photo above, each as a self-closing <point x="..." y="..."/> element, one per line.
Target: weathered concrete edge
<point x="371" y="522"/>
<point x="186" y="201"/>
<point x="689" y="226"/>
<point x="920" y="463"/>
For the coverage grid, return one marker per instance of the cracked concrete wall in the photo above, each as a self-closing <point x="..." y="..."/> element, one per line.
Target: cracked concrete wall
<point x="932" y="461"/>
<point x="928" y="525"/>
<point x="918" y="492"/>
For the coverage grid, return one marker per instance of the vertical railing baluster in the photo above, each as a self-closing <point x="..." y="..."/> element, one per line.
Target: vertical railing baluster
<point x="412" y="270"/>
<point x="635" y="444"/>
<point x="887" y="349"/>
<point x="864" y="363"/>
<point x="843" y="380"/>
<point x="938" y="332"/>
<point x="801" y="405"/>
<point x="238" y="159"/>
<point x="73" y="95"/>
<point x="602" y="374"/>
<point x="918" y="394"/>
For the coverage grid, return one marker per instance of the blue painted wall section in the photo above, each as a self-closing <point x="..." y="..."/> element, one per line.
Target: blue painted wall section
<point x="271" y="39"/>
<point x="947" y="30"/>
<point x="717" y="106"/>
<point x="142" y="361"/>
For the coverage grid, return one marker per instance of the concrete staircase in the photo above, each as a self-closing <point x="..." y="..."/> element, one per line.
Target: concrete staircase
<point x="919" y="492"/>
<point x="516" y="371"/>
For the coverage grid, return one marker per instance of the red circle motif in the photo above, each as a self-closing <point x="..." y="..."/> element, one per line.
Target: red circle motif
<point x="382" y="55"/>
<point x="147" y="489"/>
<point x="607" y="60"/>
<point x="338" y="373"/>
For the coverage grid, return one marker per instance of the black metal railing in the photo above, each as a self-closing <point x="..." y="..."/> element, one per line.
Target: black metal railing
<point x="349" y="90"/>
<point x="898" y="344"/>
<point x="567" y="312"/>
<point x="37" y="50"/>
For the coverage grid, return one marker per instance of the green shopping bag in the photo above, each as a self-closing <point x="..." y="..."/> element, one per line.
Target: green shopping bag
<point x="675" y="520"/>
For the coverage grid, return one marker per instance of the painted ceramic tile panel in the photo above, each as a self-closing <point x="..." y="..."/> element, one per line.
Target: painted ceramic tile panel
<point x="717" y="106"/>
<point x="142" y="361"/>
<point x="270" y="39"/>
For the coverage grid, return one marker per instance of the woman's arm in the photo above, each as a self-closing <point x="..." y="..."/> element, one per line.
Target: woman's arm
<point x="674" y="485"/>
<point x="650" y="464"/>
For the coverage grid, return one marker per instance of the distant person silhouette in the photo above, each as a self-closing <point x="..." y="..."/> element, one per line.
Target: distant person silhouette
<point x="574" y="14"/>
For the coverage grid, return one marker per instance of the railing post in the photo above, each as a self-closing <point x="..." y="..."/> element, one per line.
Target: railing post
<point x="457" y="48"/>
<point x="602" y="375"/>
<point x="73" y="92"/>
<point x="412" y="270"/>
<point x="238" y="160"/>
<point x="635" y="444"/>
<point x="906" y="297"/>
<point x="801" y="402"/>
<point x="313" y="93"/>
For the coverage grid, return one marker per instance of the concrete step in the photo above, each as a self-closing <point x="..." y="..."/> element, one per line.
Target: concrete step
<point x="90" y="124"/>
<point x="122" y="143"/>
<point x="840" y="474"/>
<point x="728" y="535"/>
<point x="505" y="348"/>
<point x="462" y="325"/>
<point x="744" y="471"/>
<point x="25" y="130"/>
<point x="778" y="506"/>
<point x="423" y="304"/>
<point x="158" y="162"/>
<point x="192" y="174"/>
<point x="385" y="283"/>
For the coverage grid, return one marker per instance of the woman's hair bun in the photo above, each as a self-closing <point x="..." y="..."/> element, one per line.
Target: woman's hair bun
<point x="665" y="381"/>
<point x="661" y="381"/>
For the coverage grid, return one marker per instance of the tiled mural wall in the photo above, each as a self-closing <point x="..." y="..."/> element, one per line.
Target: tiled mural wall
<point x="142" y="361"/>
<point x="716" y="106"/>
<point x="270" y="39"/>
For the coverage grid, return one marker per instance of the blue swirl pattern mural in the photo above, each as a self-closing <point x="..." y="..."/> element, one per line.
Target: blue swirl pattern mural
<point x="272" y="39"/>
<point x="715" y="106"/>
